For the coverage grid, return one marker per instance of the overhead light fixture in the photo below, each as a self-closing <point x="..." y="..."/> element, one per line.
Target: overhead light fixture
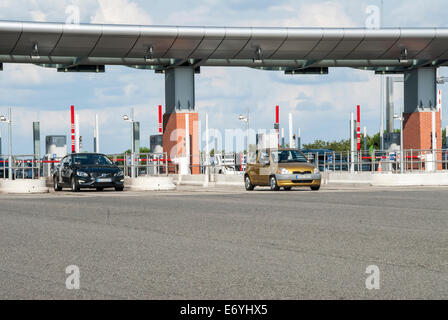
<point x="149" y="55"/>
<point x="403" y="56"/>
<point x="258" y="56"/>
<point x="126" y="118"/>
<point x="35" y="53"/>
<point x="3" y="119"/>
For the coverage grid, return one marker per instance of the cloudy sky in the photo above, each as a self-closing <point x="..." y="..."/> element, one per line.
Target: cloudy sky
<point x="321" y="104"/>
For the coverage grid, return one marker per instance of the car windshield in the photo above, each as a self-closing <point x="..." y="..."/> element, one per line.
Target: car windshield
<point x="91" y="160"/>
<point x="288" y="156"/>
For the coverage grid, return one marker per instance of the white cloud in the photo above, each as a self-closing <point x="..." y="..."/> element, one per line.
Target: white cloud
<point x="325" y="14"/>
<point x="38" y="16"/>
<point x="120" y="12"/>
<point x="27" y="74"/>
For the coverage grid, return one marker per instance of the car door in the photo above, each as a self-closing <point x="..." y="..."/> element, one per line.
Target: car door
<point x="66" y="170"/>
<point x="264" y="167"/>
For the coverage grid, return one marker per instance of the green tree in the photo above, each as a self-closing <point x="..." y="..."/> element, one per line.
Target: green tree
<point x="338" y="146"/>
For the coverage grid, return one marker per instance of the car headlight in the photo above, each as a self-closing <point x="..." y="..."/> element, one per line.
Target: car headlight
<point x="120" y="174"/>
<point x="316" y="170"/>
<point x="82" y="174"/>
<point x="283" y="171"/>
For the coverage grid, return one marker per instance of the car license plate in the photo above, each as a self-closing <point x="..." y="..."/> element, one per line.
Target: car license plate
<point x="304" y="177"/>
<point x="103" y="180"/>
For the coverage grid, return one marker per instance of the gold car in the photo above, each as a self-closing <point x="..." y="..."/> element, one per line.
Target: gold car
<point x="282" y="168"/>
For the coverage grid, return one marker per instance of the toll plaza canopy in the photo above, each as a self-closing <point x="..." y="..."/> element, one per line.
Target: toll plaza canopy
<point x="88" y="47"/>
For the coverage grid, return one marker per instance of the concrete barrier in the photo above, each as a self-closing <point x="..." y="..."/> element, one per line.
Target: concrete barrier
<point x="24" y="186"/>
<point x="151" y="184"/>
<point x="389" y="179"/>
<point x="215" y="180"/>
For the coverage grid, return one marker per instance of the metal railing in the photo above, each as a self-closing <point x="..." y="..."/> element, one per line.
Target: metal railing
<point x="21" y="167"/>
<point x="144" y="164"/>
<point x="381" y="161"/>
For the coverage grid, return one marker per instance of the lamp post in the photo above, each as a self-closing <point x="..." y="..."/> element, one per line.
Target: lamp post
<point x="131" y="121"/>
<point x="246" y="120"/>
<point x="401" y="142"/>
<point x="9" y="122"/>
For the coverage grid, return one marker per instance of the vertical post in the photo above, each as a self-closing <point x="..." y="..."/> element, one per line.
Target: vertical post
<point x="283" y="137"/>
<point x="382" y="114"/>
<point x="352" y="143"/>
<point x="291" y="140"/>
<point x="365" y="138"/>
<point x="132" y="145"/>
<point x="277" y="123"/>
<point x="390" y="105"/>
<point x="187" y="140"/>
<point x="402" y="155"/>
<point x="358" y="128"/>
<point x="1" y="141"/>
<point x="207" y="153"/>
<point x="299" y="140"/>
<point x="247" y="134"/>
<point x="72" y="112"/>
<point x="434" y="140"/>
<point x="10" y="144"/>
<point x="160" y="120"/>
<point x="77" y="145"/>
<point x="96" y="139"/>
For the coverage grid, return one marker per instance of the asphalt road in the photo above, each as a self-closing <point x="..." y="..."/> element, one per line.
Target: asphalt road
<point x="226" y="244"/>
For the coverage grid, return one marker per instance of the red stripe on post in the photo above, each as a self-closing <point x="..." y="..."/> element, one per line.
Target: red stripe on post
<point x="160" y="120"/>
<point x="73" y="128"/>
<point x="358" y="128"/>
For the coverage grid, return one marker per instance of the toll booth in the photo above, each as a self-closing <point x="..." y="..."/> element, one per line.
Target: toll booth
<point x="55" y="149"/>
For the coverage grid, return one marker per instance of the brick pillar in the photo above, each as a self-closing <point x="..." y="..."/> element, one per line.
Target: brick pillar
<point x="174" y="137"/>
<point x="417" y="129"/>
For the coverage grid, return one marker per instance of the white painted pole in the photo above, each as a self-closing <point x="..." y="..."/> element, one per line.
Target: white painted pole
<point x="133" y="151"/>
<point x="207" y="153"/>
<point x="187" y="140"/>
<point x="352" y="143"/>
<point x="10" y="162"/>
<point x="97" y="135"/>
<point x="434" y="140"/>
<point x="1" y="141"/>
<point x="77" y="144"/>
<point x="365" y="138"/>
<point x="292" y="143"/>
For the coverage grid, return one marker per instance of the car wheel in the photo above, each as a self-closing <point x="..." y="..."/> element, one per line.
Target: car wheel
<point x="248" y="184"/>
<point x="288" y="188"/>
<point x="315" y="188"/>
<point x="119" y="189"/>
<point x="273" y="183"/>
<point x="56" y="185"/>
<point x="74" y="185"/>
<point x="99" y="189"/>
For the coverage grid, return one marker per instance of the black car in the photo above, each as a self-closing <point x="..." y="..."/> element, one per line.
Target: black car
<point x="88" y="170"/>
